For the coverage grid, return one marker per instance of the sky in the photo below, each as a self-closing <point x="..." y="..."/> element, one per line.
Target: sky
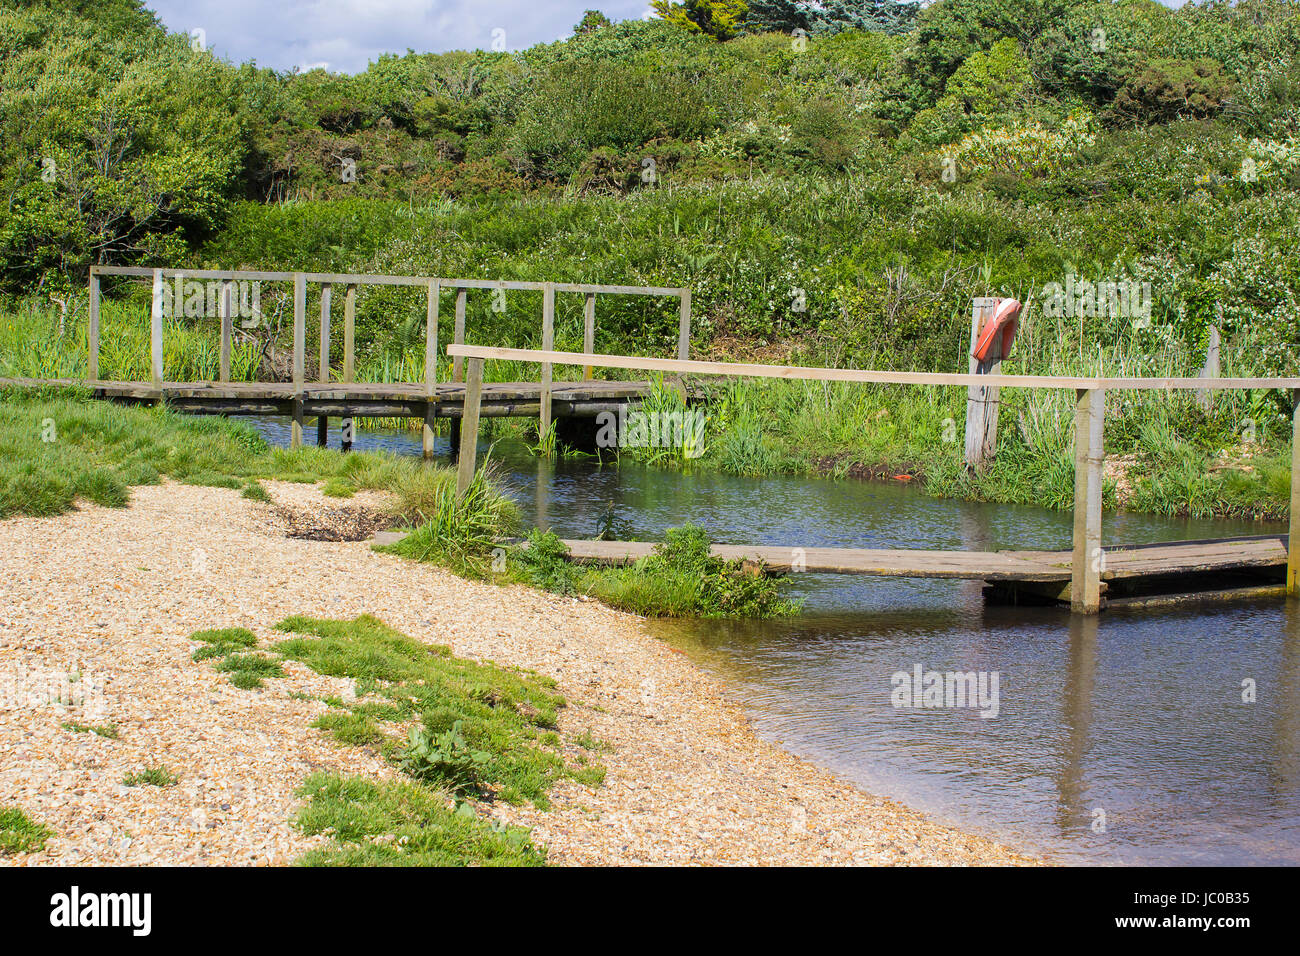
<point x="345" y="35"/>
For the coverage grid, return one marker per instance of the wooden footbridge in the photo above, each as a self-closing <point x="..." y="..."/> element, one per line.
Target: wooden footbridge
<point x="1088" y="576"/>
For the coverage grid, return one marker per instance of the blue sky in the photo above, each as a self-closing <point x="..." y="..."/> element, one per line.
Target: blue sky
<point x="345" y="35"/>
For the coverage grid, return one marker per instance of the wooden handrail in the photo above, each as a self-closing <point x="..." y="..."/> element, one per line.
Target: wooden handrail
<point x="746" y="370"/>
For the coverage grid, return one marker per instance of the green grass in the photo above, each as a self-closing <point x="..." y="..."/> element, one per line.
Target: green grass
<point x="19" y="833"/>
<point x="228" y="647"/>
<point x="680" y="579"/>
<point x="482" y="728"/>
<point x="101" y="730"/>
<point x="460" y="532"/>
<point x="58" y="446"/>
<point x="372" y="823"/>
<point x="158" y="776"/>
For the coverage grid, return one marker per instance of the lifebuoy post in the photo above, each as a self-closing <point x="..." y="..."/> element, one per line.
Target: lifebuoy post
<point x="982" y="401"/>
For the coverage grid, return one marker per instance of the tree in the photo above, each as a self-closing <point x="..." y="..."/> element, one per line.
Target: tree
<point x="776" y="16"/>
<point x="888" y="16"/>
<point x="719" y="19"/>
<point x="591" y="20"/>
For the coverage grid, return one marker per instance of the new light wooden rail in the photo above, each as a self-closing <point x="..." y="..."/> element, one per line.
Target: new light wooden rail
<point x="1087" y="559"/>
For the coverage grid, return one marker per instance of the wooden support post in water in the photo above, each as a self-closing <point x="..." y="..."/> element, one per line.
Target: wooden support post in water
<point x="1293" y="538"/>
<point x="299" y="355"/>
<point x="1087" y="561"/>
<point x="981" y="401"/>
<point x="684" y="328"/>
<point x="92" y="332"/>
<point x="431" y="364"/>
<point x="350" y="332"/>
<point x="156" y="330"/>
<point x="458" y="337"/>
<point x="548" y="343"/>
<point x="588" y="331"/>
<point x="227" y="328"/>
<point x="469" y="426"/>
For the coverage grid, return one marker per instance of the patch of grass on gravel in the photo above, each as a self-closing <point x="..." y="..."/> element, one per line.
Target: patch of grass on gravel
<point x="484" y="730"/>
<point x="103" y="730"/>
<point x="228" y="647"/>
<point x="158" y="776"/>
<point x="19" y="833"/>
<point x="404" y="824"/>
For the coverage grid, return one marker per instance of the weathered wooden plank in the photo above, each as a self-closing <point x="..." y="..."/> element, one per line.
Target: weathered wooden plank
<point x="469" y="428"/>
<point x="156" y="330"/>
<point x="981" y="400"/>
<point x="227" y="328"/>
<point x="1087" y="559"/>
<point x="684" y="327"/>
<point x="92" y="331"/>
<point x="458" y="337"/>
<point x="299" y="354"/>
<point x="326" y="301"/>
<point x="548" y="340"/>
<point x="588" y="331"/>
<point x="1293" y="539"/>
<point x="350" y="332"/>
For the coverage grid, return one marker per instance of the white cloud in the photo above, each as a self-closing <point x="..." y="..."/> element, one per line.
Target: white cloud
<point x="345" y="35"/>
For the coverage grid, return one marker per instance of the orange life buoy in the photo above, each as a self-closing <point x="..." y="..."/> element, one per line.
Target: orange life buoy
<point x="999" y="332"/>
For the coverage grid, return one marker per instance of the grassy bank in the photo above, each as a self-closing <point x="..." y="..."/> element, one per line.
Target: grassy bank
<point x="462" y="734"/>
<point x="57" y="446"/>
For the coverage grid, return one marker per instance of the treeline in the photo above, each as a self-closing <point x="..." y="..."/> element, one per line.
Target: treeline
<point x="848" y="170"/>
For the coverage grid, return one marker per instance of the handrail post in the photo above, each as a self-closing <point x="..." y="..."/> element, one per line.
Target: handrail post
<point x="548" y="342"/>
<point x="299" y="355"/>
<point x="156" y="331"/>
<point x="349" y="332"/>
<point x="684" y="327"/>
<point x="326" y="301"/>
<point x="1293" y="538"/>
<point x="1088" y="559"/>
<point x="588" y="332"/>
<point x="469" y="427"/>
<point x="458" y="337"/>
<point x="431" y="364"/>
<point x="92" y="330"/>
<point x="227" y="329"/>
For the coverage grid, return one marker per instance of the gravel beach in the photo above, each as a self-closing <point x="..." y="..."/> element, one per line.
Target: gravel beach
<point x="110" y="596"/>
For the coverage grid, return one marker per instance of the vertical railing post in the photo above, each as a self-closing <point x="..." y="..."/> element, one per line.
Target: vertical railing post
<point x="684" y="327"/>
<point x="226" y="310"/>
<point x="469" y="426"/>
<point x="981" y="400"/>
<point x="326" y="301"/>
<point x="299" y="355"/>
<point x="156" y="331"/>
<point x="1087" y="561"/>
<point x="431" y="364"/>
<point x="350" y="332"/>
<point x="92" y="330"/>
<point x="548" y="343"/>
<point x="588" y="331"/>
<point x="1293" y="538"/>
<point x="458" y="337"/>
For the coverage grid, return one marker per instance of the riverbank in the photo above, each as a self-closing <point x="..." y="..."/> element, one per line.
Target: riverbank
<point x="112" y="595"/>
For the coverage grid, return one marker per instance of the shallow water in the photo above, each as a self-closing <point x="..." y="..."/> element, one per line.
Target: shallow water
<point x="1119" y="739"/>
